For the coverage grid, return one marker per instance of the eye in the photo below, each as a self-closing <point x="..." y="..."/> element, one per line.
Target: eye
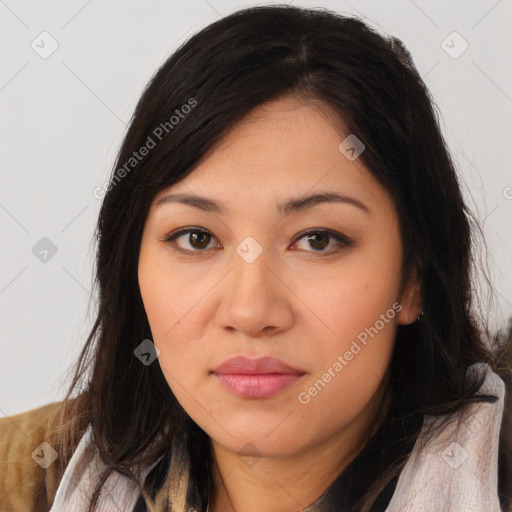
<point x="197" y="238"/>
<point x="319" y="239"/>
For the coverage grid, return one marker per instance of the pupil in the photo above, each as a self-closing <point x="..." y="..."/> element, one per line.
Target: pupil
<point x="315" y="237"/>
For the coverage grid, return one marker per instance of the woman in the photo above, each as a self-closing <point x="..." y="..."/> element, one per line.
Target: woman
<point x="285" y="316"/>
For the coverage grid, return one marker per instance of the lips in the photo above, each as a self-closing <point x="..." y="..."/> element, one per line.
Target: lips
<point x="256" y="378"/>
<point x="261" y="366"/>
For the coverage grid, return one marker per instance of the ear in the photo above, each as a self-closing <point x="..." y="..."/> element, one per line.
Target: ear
<point x="411" y="302"/>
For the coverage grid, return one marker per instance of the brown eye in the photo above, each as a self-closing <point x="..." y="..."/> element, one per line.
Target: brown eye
<point x="319" y="239"/>
<point x="197" y="240"/>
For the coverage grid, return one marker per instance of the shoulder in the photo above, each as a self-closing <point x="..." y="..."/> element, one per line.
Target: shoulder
<point x="467" y="439"/>
<point x="26" y="456"/>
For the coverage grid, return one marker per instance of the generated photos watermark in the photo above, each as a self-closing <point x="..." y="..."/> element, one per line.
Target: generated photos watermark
<point x="157" y="135"/>
<point x="305" y="397"/>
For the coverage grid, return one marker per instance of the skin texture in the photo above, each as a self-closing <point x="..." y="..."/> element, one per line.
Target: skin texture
<point x="302" y="302"/>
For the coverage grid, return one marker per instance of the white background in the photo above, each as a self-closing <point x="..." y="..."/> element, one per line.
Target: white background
<point x="62" y="120"/>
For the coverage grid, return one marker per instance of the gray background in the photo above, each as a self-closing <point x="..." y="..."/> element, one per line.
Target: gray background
<point x="63" y="118"/>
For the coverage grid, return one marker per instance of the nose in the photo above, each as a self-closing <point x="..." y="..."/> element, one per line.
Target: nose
<point x="255" y="299"/>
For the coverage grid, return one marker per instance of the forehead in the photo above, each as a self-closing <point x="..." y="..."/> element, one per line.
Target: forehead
<point x="283" y="148"/>
<point x="287" y="125"/>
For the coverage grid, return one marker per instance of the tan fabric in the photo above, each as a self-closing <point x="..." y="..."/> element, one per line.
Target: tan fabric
<point x="25" y="486"/>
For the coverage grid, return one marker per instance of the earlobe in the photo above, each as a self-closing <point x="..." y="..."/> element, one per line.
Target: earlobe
<point x="411" y="304"/>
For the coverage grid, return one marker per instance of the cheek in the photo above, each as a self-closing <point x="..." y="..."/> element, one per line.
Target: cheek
<point x="174" y="303"/>
<point x="168" y="296"/>
<point x="352" y="349"/>
<point x="358" y="297"/>
<point x="173" y="321"/>
<point x="348" y="371"/>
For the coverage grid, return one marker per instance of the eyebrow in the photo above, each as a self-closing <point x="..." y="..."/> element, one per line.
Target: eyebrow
<point x="287" y="207"/>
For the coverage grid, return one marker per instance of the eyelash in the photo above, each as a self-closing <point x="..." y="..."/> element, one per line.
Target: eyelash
<point x="341" y="240"/>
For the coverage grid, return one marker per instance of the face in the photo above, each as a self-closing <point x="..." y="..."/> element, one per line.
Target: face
<point x="314" y="285"/>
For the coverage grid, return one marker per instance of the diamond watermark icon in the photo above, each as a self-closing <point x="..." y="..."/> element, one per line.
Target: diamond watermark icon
<point x="351" y="147"/>
<point x="147" y="352"/>
<point x="44" y="455"/>
<point x="454" y="45"/>
<point x="44" y="45"/>
<point x="249" y="249"/>
<point x="454" y="455"/>
<point x="249" y="461"/>
<point x="44" y="250"/>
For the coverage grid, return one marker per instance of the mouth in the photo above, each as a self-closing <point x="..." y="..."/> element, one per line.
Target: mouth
<point x="256" y="378"/>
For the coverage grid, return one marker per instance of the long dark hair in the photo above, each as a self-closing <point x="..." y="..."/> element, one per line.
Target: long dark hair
<point x="211" y="82"/>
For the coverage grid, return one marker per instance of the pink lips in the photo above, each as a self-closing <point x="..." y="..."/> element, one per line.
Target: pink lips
<point x="256" y="378"/>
